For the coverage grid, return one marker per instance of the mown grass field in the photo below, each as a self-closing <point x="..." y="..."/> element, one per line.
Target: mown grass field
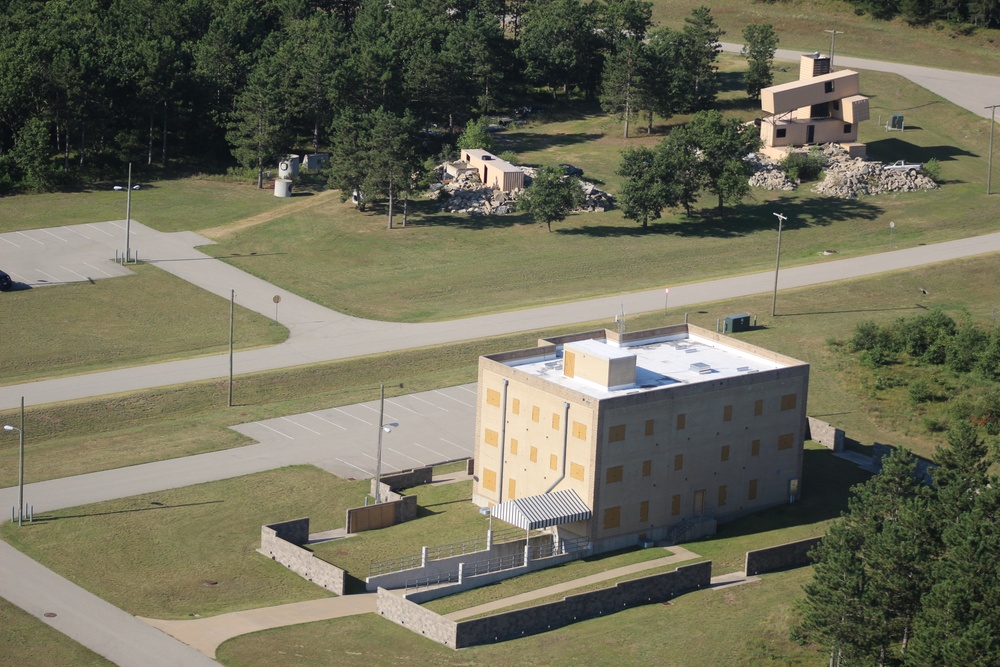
<point x="144" y="318"/>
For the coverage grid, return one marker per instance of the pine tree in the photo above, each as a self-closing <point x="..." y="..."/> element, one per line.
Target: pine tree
<point x="760" y="43"/>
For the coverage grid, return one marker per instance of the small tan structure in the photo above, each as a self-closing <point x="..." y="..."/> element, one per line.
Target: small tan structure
<point x="644" y="436"/>
<point x="493" y="172"/>
<point x="821" y="107"/>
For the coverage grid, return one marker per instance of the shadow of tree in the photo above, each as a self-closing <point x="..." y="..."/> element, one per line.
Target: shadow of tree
<point x="427" y="213"/>
<point x="743" y="219"/>
<point x="536" y="141"/>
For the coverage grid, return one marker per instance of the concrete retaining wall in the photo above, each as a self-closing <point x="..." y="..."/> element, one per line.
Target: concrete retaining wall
<point x="275" y="545"/>
<point x="825" y="434"/>
<point x="406" y="479"/>
<point x="534" y="620"/>
<point x="781" y="557"/>
<point x="373" y="517"/>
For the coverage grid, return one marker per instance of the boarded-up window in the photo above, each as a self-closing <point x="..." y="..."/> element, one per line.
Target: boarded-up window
<point x="511" y="489"/>
<point x="493" y="397"/>
<point x="613" y="474"/>
<point x="727" y="413"/>
<point x="649" y="427"/>
<point x="553" y="462"/>
<point x="576" y="471"/>
<point x="535" y="413"/>
<point x="644" y="511"/>
<point x="755" y="448"/>
<point x="680" y="421"/>
<point x="758" y="407"/>
<point x="491" y="437"/>
<point x="723" y="491"/>
<point x="752" y="493"/>
<point x="612" y="517"/>
<point x="513" y="445"/>
<point x="616" y="433"/>
<point x="555" y="421"/>
<point x="678" y="462"/>
<point x="489" y="479"/>
<point x="533" y="454"/>
<point x="725" y="453"/>
<point x="786" y="441"/>
<point x="788" y="402"/>
<point x="647" y="468"/>
<point x="515" y="406"/>
<point x="579" y="430"/>
<point x="675" y="506"/>
<point x="569" y="364"/>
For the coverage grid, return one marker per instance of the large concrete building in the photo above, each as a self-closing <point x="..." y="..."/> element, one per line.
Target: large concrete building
<point x="822" y="107"/>
<point x="647" y="435"/>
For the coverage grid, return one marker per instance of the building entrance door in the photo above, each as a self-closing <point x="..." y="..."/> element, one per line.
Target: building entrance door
<point x="699" y="503"/>
<point x="810" y="134"/>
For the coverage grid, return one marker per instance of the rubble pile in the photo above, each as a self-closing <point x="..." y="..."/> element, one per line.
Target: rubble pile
<point x="844" y="177"/>
<point x="466" y="194"/>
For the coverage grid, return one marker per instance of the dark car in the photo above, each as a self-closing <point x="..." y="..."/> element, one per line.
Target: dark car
<point x="570" y="170"/>
<point x="6" y="284"/>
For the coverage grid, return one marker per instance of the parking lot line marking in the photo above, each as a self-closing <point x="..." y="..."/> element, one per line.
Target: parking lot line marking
<point x="274" y="429"/>
<point x="10" y="242"/>
<point x="30" y="238"/>
<point x="100" y="230"/>
<point x="342" y="428"/>
<point x="98" y="270"/>
<point x="406" y="455"/>
<point x="367" y="472"/>
<point x="465" y="388"/>
<point x="73" y="272"/>
<point x="431" y="451"/>
<point x="401" y="406"/>
<point x="56" y="235"/>
<point x="454" y="444"/>
<point x="301" y="426"/>
<point x="70" y="229"/>
<point x="385" y="415"/>
<point x="54" y="279"/>
<point x="454" y="399"/>
<point x="414" y="396"/>
<point x="358" y="418"/>
<point x="384" y="462"/>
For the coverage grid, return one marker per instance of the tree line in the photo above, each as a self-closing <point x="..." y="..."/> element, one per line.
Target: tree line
<point x="982" y="13"/>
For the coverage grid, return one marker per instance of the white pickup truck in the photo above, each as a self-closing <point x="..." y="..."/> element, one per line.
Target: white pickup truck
<point x="903" y="165"/>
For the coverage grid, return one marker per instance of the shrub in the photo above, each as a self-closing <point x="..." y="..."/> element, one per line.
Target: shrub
<point x="932" y="168"/>
<point x="804" y="166"/>
<point x="965" y="347"/>
<point x="935" y="425"/>
<point x="920" y="392"/>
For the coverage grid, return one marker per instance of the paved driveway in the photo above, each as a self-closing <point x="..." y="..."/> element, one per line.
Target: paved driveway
<point x="434" y="426"/>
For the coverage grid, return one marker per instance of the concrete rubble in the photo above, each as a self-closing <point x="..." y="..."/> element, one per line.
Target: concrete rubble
<point x="465" y="193"/>
<point x="843" y="177"/>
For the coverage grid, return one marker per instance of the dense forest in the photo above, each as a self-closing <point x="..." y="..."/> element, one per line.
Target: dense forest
<point x="982" y="13"/>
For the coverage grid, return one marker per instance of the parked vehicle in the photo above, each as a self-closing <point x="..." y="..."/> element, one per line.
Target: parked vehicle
<point x="903" y="165"/>
<point x="6" y="284"/>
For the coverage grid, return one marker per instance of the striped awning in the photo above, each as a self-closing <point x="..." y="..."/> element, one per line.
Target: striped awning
<point x="542" y="511"/>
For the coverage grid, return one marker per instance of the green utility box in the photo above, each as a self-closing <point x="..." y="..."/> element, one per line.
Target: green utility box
<point x="736" y="323"/>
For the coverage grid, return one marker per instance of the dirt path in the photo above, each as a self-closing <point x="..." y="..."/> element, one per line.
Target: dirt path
<point x="303" y="203"/>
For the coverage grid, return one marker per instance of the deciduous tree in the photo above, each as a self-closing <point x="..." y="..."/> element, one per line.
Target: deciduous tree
<point x="759" y="44"/>
<point x="551" y="196"/>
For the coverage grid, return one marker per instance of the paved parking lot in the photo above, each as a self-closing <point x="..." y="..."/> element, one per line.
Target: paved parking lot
<point x="71" y="254"/>
<point x="434" y="426"/>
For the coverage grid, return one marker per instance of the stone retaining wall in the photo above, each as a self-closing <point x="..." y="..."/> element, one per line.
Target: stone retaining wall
<point x="781" y="557"/>
<point x="275" y="543"/>
<point x="825" y="434"/>
<point x="534" y="620"/>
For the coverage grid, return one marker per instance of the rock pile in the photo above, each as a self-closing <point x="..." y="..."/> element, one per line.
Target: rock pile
<point x="467" y="194"/>
<point x="850" y="178"/>
<point x="768" y="175"/>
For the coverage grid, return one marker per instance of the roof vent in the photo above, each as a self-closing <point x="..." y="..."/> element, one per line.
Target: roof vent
<point x="701" y="368"/>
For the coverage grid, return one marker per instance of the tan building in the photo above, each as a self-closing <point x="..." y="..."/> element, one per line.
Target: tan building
<point x="650" y="435"/>
<point x="493" y="172"/>
<point x="821" y="107"/>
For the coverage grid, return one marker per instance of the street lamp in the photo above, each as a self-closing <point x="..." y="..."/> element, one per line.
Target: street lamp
<point x="383" y="427"/>
<point x="20" y="472"/>
<point x="777" y="262"/>
<point x="989" y="169"/>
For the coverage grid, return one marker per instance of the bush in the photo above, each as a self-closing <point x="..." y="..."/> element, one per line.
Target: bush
<point x="932" y="168"/>
<point x="804" y="166"/>
<point x="920" y="392"/>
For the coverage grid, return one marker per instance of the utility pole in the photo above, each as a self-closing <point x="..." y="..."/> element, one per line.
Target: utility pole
<point x="833" y="40"/>
<point x="232" y="313"/>
<point x="128" y="215"/>
<point x="777" y="262"/>
<point x="989" y="169"/>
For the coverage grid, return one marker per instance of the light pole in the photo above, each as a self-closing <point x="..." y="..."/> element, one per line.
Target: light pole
<point x="833" y="41"/>
<point x="382" y="428"/>
<point x="20" y="465"/>
<point x="777" y="262"/>
<point x="892" y="226"/>
<point x="232" y="319"/>
<point x="128" y="215"/>
<point x="989" y="169"/>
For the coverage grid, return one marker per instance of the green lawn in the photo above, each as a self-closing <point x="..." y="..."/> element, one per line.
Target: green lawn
<point x="27" y="641"/>
<point x="148" y="317"/>
<point x="745" y="626"/>
<point x="165" y="545"/>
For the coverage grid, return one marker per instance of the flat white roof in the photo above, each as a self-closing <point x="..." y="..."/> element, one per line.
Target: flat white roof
<point x="601" y="349"/>
<point x="660" y="362"/>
